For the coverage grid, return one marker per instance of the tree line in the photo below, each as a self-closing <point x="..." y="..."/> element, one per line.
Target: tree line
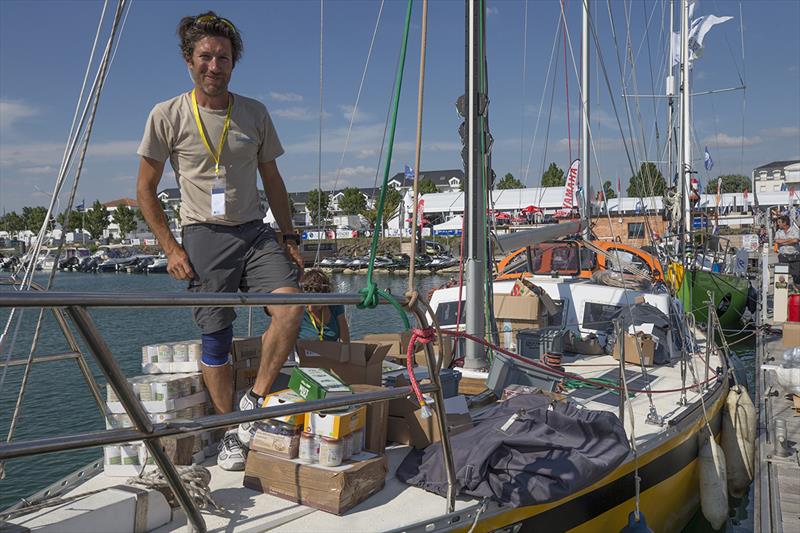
<point x="648" y="181"/>
<point x="94" y="220"/>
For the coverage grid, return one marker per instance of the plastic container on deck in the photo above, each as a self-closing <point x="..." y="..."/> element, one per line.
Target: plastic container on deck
<point x="532" y="343"/>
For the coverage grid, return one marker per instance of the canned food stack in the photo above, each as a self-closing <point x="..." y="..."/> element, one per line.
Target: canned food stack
<point x="165" y="397"/>
<point x="172" y="357"/>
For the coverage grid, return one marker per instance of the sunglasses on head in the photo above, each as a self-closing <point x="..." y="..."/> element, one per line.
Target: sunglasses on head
<point x="212" y="18"/>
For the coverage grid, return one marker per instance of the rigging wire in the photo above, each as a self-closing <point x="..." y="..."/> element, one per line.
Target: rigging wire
<point x="417" y="150"/>
<point x="34" y="252"/>
<point x="524" y="82"/>
<point x="319" y="153"/>
<point x="355" y="106"/>
<point x="566" y="76"/>
<point x="93" y="103"/>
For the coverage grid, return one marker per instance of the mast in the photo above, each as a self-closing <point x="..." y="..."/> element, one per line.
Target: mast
<point x="671" y="111"/>
<point x="585" y="164"/>
<point x="686" y="136"/>
<point x="474" y="189"/>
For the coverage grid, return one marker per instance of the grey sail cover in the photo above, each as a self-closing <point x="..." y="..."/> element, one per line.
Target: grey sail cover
<point x="545" y="453"/>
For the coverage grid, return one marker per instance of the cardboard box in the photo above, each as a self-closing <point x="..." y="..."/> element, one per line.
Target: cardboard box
<point x="334" y="490"/>
<point x="791" y="334"/>
<point x="246" y="358"/>
<point x="406" y="424"/>
<point x="281" y="445"/>
<point x="246" y="348"/>
<point x="336" y="424"/>
<point x="514" y="313"/>
<point x="638" y="345"/>
<point x="377" y="420"/>
<point x="316" y="383"/>
<point x="398" y="343"/>
<point x="522" y="288"/>
<point x="162" y="406"/>
<point x="281" y="398"/>
<point x="356" y="362"/>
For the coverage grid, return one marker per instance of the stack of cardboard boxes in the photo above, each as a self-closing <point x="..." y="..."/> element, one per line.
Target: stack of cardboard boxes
<point x="165" y="397"/>
<point x="276" y="465"/>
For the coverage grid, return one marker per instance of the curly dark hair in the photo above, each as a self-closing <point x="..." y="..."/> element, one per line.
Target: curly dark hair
<point x="315" y="280"/>
<point x="192" y="29"/>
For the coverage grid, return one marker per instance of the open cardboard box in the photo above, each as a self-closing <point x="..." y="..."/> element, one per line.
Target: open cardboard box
<point x="636" y="346"/>
<point x="331" y="489"/>
<point x="377" y="421"/>
<point x="355" y="362"/>
<point x="406" y="424"/>
<point x="515" y="313"/>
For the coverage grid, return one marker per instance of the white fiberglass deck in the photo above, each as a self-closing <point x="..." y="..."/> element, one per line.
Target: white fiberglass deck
<point x="398" y="505"/>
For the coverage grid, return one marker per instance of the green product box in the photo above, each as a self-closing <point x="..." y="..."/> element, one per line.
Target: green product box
<point x="316" y="383"/>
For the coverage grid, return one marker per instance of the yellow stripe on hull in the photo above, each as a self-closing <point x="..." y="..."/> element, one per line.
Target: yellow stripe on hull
<point x="668" y="505"/>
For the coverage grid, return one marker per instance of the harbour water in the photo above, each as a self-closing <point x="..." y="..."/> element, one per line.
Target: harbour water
<point x="58" y="402"/>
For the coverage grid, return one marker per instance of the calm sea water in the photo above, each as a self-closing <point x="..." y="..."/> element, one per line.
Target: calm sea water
<point x="58" y="402"/>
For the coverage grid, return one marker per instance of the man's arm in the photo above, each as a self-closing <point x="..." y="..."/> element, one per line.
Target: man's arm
<point x="150" y="172"/>
<point x="278" y="200"/>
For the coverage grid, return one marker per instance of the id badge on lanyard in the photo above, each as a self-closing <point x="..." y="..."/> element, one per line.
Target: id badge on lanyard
<point x="218" y="193"/>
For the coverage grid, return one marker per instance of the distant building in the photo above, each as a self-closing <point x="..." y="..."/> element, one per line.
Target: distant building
<point x="777" y="176"/>
<point x="445" y="180"/>
<point x="113" y="228"/>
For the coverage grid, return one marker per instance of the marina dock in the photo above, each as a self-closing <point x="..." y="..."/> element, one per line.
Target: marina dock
<point x="777" y="474"/>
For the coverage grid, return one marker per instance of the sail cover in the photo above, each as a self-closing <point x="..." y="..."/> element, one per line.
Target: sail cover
<point x="531" y="451"/>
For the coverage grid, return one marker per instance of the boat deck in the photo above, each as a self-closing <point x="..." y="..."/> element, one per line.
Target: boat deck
<point x="777" y="476"/>
<point x="399" y="506"/>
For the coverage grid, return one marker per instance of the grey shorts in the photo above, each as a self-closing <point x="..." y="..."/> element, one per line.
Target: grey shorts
<point x="232" y="258"/>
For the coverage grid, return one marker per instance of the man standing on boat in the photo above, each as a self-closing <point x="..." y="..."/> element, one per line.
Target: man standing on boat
<point x="217" y="142"/>
<point x="788" y="240"/>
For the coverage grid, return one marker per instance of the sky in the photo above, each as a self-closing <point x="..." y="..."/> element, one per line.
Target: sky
<point x="45" y="46"/>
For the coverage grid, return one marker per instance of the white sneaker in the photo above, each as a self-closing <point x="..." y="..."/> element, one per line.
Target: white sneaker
<point x="232" y="455"/>
<point x="246" y="430"/>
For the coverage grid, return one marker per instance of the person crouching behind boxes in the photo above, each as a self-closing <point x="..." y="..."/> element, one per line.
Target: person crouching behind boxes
<point x="322" y="322"/>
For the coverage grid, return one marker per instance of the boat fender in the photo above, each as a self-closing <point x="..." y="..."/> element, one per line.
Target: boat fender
<point x="738" y="440"/>
<point x="713" y="483"/>
<point x="636" y="527"/>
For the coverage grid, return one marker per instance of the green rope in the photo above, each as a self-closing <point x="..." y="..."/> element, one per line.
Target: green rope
<point x="371" y="292"/>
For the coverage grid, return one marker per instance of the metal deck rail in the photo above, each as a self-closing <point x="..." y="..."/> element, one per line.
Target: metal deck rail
<point x="76" y="306"/>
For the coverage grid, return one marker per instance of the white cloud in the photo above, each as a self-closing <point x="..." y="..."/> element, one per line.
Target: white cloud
<point x="723" y="140"/>
<point x="285" y="97"/>
<point x="347" y="111"/>
<point x="297" y="113"/>
<point x="49" y="154"/>
<point x="785" y="131"/>
<point x="492" y="11"/>
<point x="13" y="110"/>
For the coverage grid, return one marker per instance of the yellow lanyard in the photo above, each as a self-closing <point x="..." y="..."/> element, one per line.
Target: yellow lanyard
<point x="319" y="329"/>
<point x="216" y="157"/>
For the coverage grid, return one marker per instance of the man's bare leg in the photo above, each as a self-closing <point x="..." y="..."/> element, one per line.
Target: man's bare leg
<point x="219" y="382"/>
<point x="277" y="342"/>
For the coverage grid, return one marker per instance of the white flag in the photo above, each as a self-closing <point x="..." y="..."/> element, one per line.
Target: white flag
<point x="699" y="29"/>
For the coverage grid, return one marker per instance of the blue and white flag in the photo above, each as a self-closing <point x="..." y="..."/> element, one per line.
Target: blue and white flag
<point x="709" y="163"/>
<point x="409" y="173"/>
<point x="81" y="206"/>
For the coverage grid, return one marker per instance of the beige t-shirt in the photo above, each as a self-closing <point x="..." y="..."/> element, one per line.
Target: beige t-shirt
<point x="171" y="132"/>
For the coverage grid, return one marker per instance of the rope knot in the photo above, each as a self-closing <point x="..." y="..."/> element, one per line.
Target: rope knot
<point x="423" y="335"/>
<point x="370" y="294"/>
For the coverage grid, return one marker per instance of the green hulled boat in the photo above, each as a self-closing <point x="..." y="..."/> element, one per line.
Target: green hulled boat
<point x="729" y="293"/>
